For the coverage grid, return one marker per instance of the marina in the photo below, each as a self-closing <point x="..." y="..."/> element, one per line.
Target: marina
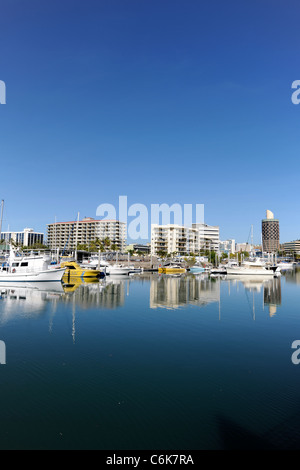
<point x="149" y="228"/>
<point x="173" y="359"/>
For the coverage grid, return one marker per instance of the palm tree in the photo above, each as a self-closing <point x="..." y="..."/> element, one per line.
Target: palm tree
<point x="106" y="242"/>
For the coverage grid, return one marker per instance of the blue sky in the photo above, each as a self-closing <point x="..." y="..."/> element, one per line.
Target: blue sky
<point x="165" y="101"/>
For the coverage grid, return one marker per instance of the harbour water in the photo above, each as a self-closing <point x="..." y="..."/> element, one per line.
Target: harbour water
<point x="151" y="362"/>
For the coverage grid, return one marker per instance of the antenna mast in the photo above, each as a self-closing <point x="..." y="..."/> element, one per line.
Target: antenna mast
<point x="2" y="207"/>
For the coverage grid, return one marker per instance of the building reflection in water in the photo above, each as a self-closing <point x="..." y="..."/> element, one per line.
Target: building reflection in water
<point x="292" y="275"/>
<point x="272" y="295"/>
<point x="271" y="290"/>
<point x="109" y="293"/>
<point x="172" y="292"/>
<point x="166" y="291"/>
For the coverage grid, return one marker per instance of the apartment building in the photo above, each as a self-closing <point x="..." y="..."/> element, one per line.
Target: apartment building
<point x="208" y="236"/>
<point x="69" y="234"/>
<point x="183" y="240"/>
<point x="291" y="247"/>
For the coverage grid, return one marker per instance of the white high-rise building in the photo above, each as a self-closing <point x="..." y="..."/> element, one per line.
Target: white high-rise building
<point x="208" y="236"/>
<point x="68" y="234"/>
<point x="183" y="240"/>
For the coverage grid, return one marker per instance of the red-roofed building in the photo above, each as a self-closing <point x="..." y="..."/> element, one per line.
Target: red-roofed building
<point x="86" y="231"/>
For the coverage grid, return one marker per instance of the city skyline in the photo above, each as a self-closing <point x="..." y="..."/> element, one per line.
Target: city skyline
<point x="161" y="101"/>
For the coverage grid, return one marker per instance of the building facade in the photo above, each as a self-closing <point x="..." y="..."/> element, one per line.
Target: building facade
<point x="182" y="240"/>
<point x="239" y="247"/>
<point x="228" y="246"/>
<point x="292" y="247"/>
<point x="28" y="237"/>
<point x="270" y="234"/>
<point x="69" y="234"/>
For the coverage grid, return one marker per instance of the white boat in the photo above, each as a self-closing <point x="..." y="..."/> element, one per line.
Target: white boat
<point x="220" y="270"/>
<point x="93" y="262"/>
<point x="283" y="265"/>
<point x="118" y="269"/>
<point x="256" y="267"/>
<point x="29" y="268"/>
<point x="134" y="270"/>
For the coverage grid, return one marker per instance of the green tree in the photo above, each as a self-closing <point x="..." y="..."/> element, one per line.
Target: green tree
<point x="82" y="247"/>
<point x="106" y="243"/>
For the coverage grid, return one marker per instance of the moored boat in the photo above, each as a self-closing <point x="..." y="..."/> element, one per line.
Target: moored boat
<point x="197" y="269"/>
<point x="74" y="270"/>
<point x="171" y="268"/>
<point x="118" y="269"/>
<point x="29" y="268"/>
<point x="254" y="268"/>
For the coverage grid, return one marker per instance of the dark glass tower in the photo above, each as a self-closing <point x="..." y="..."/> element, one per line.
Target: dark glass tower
<point x="270" y="234"/>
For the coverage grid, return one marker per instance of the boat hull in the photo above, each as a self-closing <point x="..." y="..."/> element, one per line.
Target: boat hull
<point x="171" y="270"/>
<point x="53" y="275"/>
<point x="197" y="270"/>
<point x="111" y="271"/>
<point x="251" y="272"/>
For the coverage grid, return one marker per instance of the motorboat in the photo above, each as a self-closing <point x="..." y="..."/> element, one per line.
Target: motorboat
<point x="222" y="270"/>
<point x="171" y="268"/>
<point x="74" y="270"/>
<point x="255" y="267"/>
<point x="29" y="268"/>
<point x="93" y="262"/>
<point x="285" y="265"/>
<point x="197" y="269"/>
<point x="118" y="269"/>
<point x="135" y="270"/>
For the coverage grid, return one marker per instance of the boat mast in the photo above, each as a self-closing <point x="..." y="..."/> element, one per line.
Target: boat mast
<point x="2" y="207"/>
<point x="55" y="235"/>
<point x="76" y="238"/>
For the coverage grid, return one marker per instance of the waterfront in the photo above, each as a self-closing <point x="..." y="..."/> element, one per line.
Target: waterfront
<point x="151" y="362"/>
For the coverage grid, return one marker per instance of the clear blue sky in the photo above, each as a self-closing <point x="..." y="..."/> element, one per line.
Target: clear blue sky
<point x="183" y="101"/>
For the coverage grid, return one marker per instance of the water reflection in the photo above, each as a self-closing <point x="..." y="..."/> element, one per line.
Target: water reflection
<point x="164" y="291"/>
<point x="172" y="292"/>
<point x="27" y="300"/>
<point x="293" y="276"/>
<point x="271" y="288"/>
<point x="108" y="293"/>
<point x="272" y="295"/>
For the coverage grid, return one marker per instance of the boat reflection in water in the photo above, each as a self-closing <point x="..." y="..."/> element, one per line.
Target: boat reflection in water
<point x="27" y="300"/>
<point x="271" y="289"/>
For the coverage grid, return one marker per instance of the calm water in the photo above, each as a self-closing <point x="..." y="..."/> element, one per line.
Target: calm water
<point x="151" y="362"/>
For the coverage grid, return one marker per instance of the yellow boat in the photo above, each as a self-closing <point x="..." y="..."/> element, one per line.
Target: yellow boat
<point x="171" y="269"/>
<point x="74" y="270"/>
